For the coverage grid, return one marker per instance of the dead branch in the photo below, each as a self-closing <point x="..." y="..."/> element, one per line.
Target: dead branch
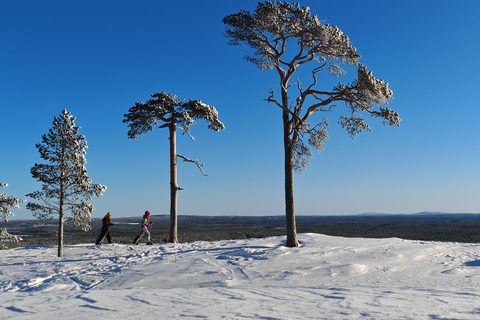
<point x="270" y="99"/>
<point x="199" y="165"/>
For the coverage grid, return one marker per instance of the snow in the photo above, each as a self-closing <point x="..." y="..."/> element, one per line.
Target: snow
<point x="326" y="278"/>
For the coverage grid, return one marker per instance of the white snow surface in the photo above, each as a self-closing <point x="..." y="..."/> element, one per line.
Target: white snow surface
<point x="326" y="278"/>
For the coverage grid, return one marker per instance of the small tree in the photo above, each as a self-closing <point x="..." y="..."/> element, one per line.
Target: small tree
<point x="7" y="202"/>
<point x="174" y="114"/>
<point x="65" y="183"/>
<point x="286" y="37"/>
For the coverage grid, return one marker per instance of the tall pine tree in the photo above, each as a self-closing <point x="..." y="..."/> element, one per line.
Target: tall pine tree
<point x="173" y="113"/>
<point x="287" y="38"/>
<point x="65" y="183"/>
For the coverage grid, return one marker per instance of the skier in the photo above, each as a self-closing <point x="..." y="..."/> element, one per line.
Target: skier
<point x="146" y="224"/>
<point x="106" y="224"/>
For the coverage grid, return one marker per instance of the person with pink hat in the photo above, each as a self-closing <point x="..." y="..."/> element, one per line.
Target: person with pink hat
<point x="144" y="229"/>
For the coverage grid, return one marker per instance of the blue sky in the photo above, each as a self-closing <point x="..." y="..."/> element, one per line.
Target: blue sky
<point x="97" y="58"/>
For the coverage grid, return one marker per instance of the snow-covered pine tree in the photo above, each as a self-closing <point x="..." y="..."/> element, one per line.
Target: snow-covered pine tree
<point x="7" y="202"/>
<point x="65" y="183"/>
<point x="174" y="114"/>
<point x="286" y="38"/>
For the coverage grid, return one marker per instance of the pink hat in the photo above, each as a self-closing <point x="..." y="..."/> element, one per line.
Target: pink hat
<point x="147" y="213"/>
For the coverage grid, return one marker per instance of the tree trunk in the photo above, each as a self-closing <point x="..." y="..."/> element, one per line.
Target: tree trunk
<point x="62" y="199"/>
<point x="173" y="182"/>
<point x="292" y="240"/>
<point x="60" y="230"/>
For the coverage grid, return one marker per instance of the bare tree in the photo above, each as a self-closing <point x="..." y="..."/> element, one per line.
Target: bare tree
<point x="65" y="183"/>
<point x="285" y="37"/>
<point x="173" y="114"/>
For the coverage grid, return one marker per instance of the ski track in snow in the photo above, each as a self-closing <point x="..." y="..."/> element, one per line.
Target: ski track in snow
<point x="326" y="278"/>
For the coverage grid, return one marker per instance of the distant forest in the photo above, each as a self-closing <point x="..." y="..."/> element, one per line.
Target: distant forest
<point x="427" y="227"/>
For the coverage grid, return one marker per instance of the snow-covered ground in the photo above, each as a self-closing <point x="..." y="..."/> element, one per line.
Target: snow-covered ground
<point x="326" y="278"/>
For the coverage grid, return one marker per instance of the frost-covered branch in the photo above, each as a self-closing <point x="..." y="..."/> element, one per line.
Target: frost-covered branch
<point x="199" y="165"/>
<point x="7" y="202"/>
<point x="4" y="235"/>
<point x="309" y="136"/>
<point x="186" y="130"/>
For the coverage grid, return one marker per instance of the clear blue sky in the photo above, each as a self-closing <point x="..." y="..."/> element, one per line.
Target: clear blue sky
<point x="97" y="58"/>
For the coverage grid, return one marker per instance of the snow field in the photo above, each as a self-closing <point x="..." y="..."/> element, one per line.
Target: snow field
<point x="326" y="278"/>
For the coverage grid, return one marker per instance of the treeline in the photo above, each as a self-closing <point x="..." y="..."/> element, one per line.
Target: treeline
<point x="442" y="227"/>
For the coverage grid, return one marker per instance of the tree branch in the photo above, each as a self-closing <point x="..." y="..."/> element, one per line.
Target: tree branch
<point x="270" y="99"/>
<point x="186" y="130"/>
<point x="314" y="76"/>
<point x="199" y="165"/>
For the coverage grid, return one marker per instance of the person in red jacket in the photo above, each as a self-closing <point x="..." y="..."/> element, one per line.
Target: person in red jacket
<point x="144" y="228"/>
<point x="106" y="224"/>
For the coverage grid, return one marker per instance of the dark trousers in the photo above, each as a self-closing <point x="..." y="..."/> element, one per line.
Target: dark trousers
<point x="105" y="233"/>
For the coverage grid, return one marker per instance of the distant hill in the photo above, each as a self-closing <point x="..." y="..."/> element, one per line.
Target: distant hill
<point x="424" y="213"/>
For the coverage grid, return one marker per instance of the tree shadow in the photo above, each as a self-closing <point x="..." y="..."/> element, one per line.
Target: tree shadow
<point x="474" y="263"/>
<point x="15" y="309"/>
